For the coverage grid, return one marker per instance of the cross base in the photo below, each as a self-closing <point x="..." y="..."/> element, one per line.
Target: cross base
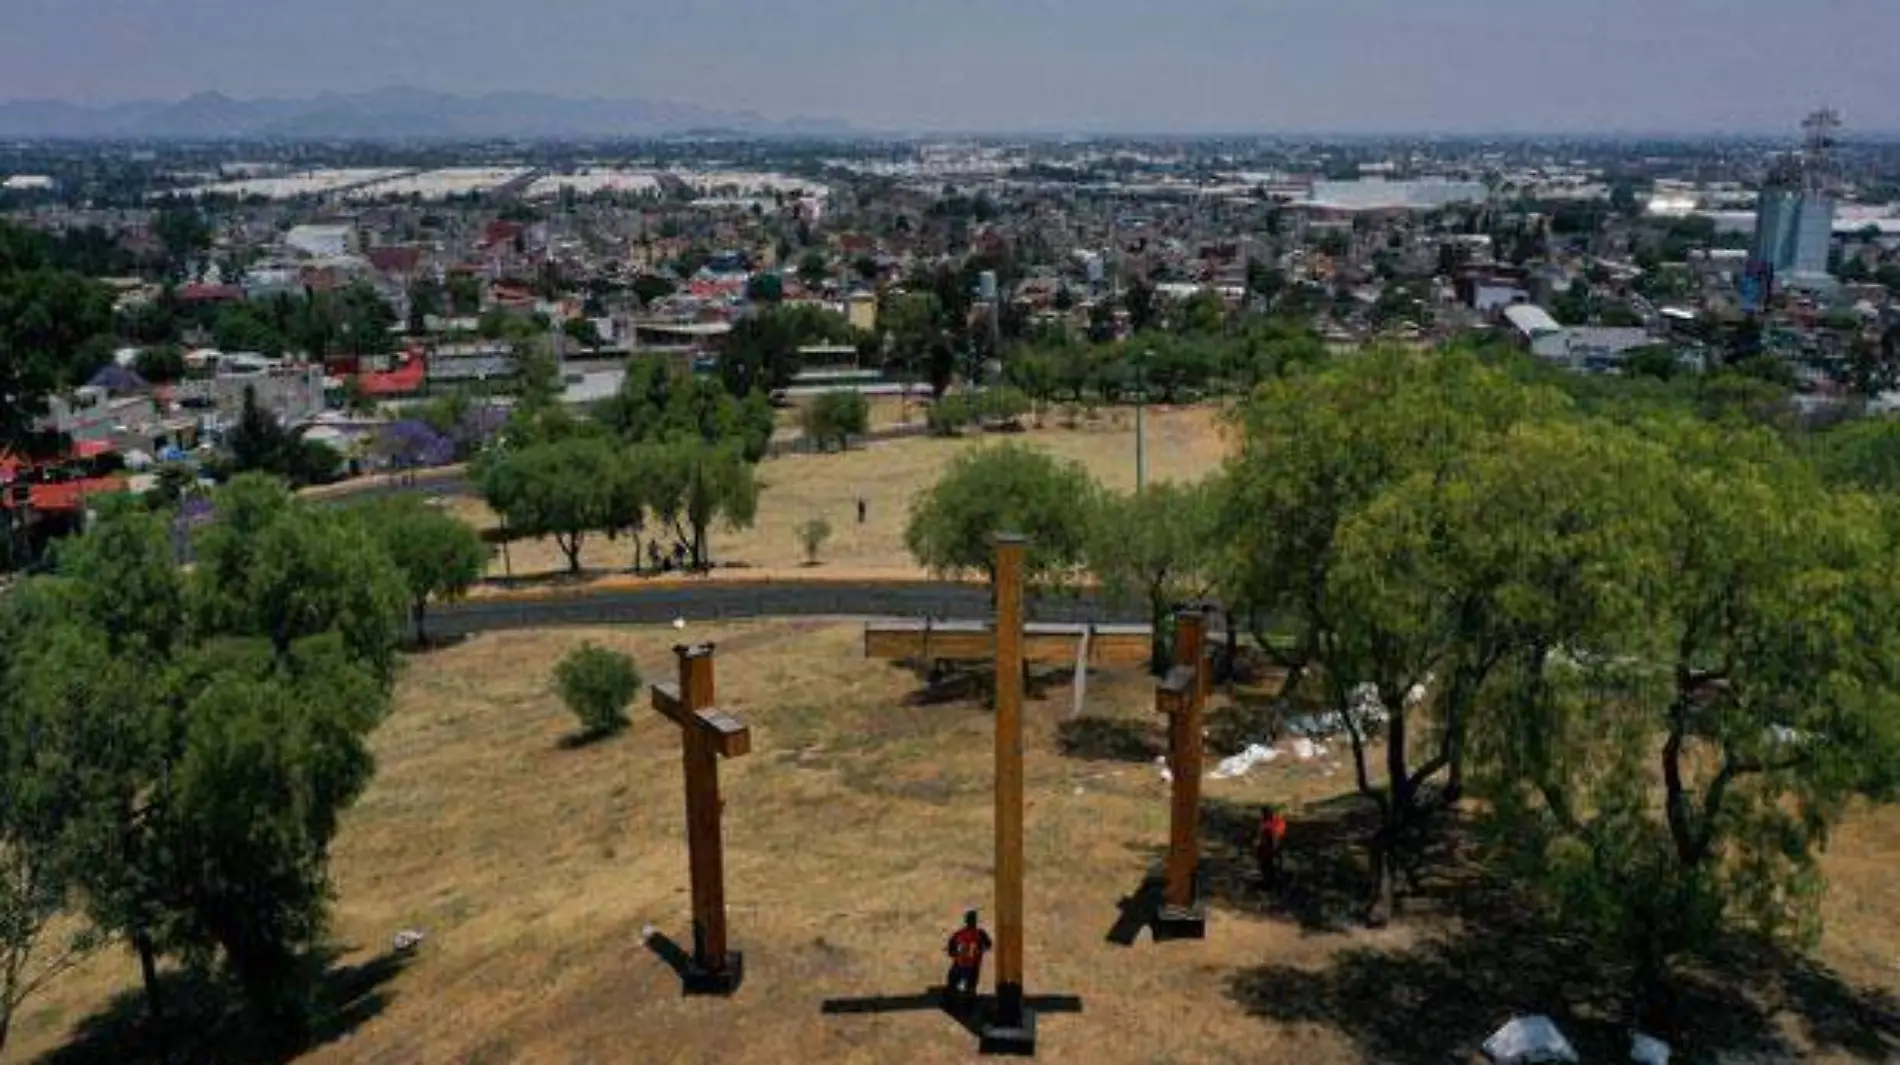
<point x="1181" y="922"/>
<point x="697" y="979"/>
<point x="1016" y="1041"/>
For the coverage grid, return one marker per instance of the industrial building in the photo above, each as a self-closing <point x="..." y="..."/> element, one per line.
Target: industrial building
<point x="1795" y="220"/>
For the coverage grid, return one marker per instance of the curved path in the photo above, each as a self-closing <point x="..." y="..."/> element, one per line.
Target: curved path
<point x="734" y="600"/>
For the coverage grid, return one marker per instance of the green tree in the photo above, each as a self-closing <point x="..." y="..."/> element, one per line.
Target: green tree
<point x="650" y="287"/>
<point x="438" y="556"/>
<point x="160" y="364"/>
<point x="812" y="534"/>
<point x="185" y="235"/>
<point x="1156" y="547"/>
<point x="597" y="685"/>
<point x="563" y="489"/>
<point x="584" y="332"/>
<point x="1004" y="489"/>
<point x="1677" y="775"/>
<point x="275" y="569"/>
<point x="765" y="288"/>
<point x="1203" y="314"/>
<point x="427" y="299"/>
<point x="950" y="415"/>
<point x="191" y="771"/>
<point x="1139" y="300"/>
<point x="836" y="416"/>
<point x="812" y="269"/>
<point x="46" y="319"/>
<point x="465" y="294"/>
<point x="697" y="484"/>
<point x="240" y="328"/>
<point x="919" y="343"/>
<point x="1314" y="450"/>
<point x="1002" y="405"/>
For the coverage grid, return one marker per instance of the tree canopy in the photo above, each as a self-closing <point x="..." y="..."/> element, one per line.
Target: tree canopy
<point x="1004" y="489"/>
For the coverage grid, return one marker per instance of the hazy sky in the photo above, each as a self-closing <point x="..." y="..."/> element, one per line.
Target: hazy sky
<point x="1188" y="65"/>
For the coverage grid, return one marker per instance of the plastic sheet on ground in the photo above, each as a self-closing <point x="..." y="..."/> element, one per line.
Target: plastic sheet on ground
<point x="1241" y="764"/>
<point x="1529" y="1041"/>
<point x="1648" y="1050"/>
<point x="1306" y="750"/>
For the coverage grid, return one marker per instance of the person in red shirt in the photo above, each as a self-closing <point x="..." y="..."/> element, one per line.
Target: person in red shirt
<point x="966" y="949"/>
<point x="1268" y="844"/>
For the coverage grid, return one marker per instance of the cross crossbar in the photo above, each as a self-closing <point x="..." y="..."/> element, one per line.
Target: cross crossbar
<point x="1045" y="643"/>
<point x="729" y="736"/>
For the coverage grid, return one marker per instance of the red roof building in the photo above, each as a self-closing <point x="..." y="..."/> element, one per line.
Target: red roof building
<point x="68" y="496"/>
<point x="404" y="380"/>
<point x="201" y="293"/>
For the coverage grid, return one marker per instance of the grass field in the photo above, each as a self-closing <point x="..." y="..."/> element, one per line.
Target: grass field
<point x="858" y="830"/>
<point x="1182" y="445"/>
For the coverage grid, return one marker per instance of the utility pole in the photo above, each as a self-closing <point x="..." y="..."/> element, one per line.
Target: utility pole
<point x="1141" y="420"/>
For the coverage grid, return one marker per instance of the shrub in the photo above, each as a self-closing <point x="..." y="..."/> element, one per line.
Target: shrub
<point x="598" y="685"/>
<point x="812" y="535"/>
<point x="949" y="416"/>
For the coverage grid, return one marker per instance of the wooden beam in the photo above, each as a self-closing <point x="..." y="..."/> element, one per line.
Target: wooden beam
<point x="975" y="641"/>
<point x="1009" y="780"/>
<point x="728" y="735"/>
<point x="1182" y="695"/>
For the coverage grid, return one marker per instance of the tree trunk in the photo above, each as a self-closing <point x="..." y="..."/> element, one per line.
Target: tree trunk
<point x="148" y="970"/>
<point x="1233" y="648"/>
<point x="1160" y="653"/>
<point x="422" y="608"/>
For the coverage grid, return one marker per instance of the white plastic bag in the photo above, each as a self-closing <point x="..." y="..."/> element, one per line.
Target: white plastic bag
<point x="1648" y="1050"/>
<point x="1529" y="1041"/>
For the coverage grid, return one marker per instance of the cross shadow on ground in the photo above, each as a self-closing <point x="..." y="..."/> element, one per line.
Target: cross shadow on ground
<point x="206" y="1022"/>
<point x="972" y="1014"/>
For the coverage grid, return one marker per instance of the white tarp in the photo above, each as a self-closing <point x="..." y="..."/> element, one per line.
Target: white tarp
<point x="1239" y="765"/>
<point x="1529" y="1041"/>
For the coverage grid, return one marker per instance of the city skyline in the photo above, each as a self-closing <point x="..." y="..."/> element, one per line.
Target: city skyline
<point x="1198" y="66"/>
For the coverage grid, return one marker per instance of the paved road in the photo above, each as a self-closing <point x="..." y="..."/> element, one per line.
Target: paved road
<point x="714" y="601"/>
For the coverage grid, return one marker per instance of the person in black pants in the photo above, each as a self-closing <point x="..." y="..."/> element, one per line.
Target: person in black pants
<point x="966" y="949"/>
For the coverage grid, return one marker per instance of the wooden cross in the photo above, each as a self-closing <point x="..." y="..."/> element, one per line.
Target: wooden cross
<point x="1182" y="695"/>
<point x="708" y="735"/>
<point x="1014" y="1029"/>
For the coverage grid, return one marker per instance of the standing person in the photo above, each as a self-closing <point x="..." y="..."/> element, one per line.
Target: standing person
<point x="1268" y="843"/>
<point x="863" y="510"/>
<point x="966" y="949"/>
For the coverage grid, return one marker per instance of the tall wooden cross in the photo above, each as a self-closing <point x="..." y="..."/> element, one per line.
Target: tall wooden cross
<point x="1013" y="1029"/>
<point x="1182" y="695"/>
<point x="708" y="735"/>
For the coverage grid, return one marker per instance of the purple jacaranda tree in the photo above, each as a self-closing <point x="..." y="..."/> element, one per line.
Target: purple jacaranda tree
<point x="412" y="444"/>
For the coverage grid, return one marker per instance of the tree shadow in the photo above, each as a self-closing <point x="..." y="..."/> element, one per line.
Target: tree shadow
<point x="585" y="738"/>
<point x="206" y="1021"/>
<point x="1105" y="739"/>
<point x="1325" y="873"/>
<point x="432" y="644"/>
<point x="1437" y="998"/>
<point x="1247" y="720"/>
<point x="942" y="682"/>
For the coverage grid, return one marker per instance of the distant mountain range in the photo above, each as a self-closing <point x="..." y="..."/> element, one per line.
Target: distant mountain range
<point x="387" y="114"/>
